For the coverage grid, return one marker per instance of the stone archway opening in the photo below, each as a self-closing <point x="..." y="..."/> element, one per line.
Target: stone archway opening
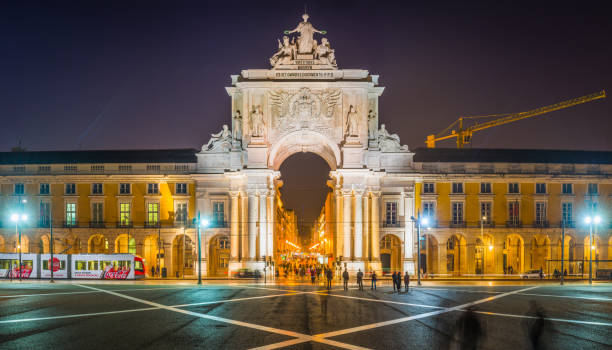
<point x="218" y="255"/>
<point x="390" y="254"/>
<point x="305" y="190"/>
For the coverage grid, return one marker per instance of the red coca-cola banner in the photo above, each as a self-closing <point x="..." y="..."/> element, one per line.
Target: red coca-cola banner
<point x="120" y="274"/>
<point x="26" y="271"/>
<point x="55" y="265"/>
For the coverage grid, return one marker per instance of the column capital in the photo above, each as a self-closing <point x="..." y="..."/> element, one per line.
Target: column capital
<point x="347" y="192"/>
<point x="376" y="193"/>
<point x="359" y="192"/>
<point x="252" y="193"/>
<point x="234" y="194"/>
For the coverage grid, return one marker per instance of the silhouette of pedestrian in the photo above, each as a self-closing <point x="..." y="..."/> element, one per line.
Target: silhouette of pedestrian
<point x="345" y="278"/>
<point x="329" y="274"/>
<point x="373" y="280"/>
<point x="407" y="281"/>
<point x="469" y="330"/>
<point x="360" y="279"/>
<point x="393" y="280"/>
<point x="537" y="326"/>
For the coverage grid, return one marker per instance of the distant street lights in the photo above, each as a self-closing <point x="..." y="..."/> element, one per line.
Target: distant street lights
<point x="590" y="221"/>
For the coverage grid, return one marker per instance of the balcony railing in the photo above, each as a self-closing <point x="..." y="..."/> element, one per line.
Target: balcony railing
<point x="567" y="223"/>
<point x="514" y="223"/>
<point x="541" y="223"/>
<point x="152" y="224"/>
<point x="97" y="224"/>
<point x="457" y="223"/>
<point x="486" y="223"/>
<point x="393" y="224"/>
<point x="124" y="224"/>
<point x="70" y="224"/>
<point x="218" y="224"/>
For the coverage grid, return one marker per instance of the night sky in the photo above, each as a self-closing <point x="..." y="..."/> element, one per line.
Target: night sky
<point x="149" y="74"/>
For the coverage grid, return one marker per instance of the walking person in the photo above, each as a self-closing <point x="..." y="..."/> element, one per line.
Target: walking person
<point x="373" y="280"/>
<point x="407" y="281"/>
<point x="312" y="276"/>
<point x="345" y="278"/>
<point x="329" y="274"/>
<point x="393" y="280"/>
<point x="360" y="279"/>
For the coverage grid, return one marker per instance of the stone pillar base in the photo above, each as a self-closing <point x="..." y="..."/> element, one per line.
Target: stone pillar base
<point x="255" y="265"/>
<point x="353" y="267"/>
<point x="234" y="266"/>
<point x="410" y="266"/>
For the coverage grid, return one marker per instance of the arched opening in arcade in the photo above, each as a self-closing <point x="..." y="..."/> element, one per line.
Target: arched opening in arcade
<point x="484" y="255"/>
<point x="456" y="255"/>
<point x="305" y="194"/>
<point x="540" y="252"/>
<point x="97" y="244"/>
<point x="25" y="244"/>
<point x="43" y="245"/>
<point x="513" y="254"/>
<point x="218" y="255"/>
<point x="153" y="253"/>
<point x="183" y="256"/>
<point x="125" y="244"/>
<point x="2" y="242"/>
<point x="428" y="248"/>
<point x="591" y="251"/>
<point x="390" y="254"/>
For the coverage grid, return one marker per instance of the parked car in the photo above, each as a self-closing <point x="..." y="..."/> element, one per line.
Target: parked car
<point x="247" y="273"/>
<point x="532" y="274"/>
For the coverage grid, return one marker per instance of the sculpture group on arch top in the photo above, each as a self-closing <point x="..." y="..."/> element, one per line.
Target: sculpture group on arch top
<point x="302" y="58"/>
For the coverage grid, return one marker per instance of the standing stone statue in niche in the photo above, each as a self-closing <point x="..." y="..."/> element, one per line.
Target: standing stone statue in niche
<point x="305" y="41"/>
<point x="371" y="125"/>
<point x="286" y="52"/>
<point x="257" y="122"/>
<point x="217" y="140"/>
<point x="237" y="125"/>
<point x="389" y="142"/>
<point x="352" y="122"/>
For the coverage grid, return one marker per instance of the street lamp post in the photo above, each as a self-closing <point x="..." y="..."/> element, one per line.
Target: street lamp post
<point x="419" y="221"/>
<point x="562" y="247"/>
<point x="51" y="239"/>
<point x="17" y="219"/>
<point x="590" y="220"/>
<point x="203" y="223"/>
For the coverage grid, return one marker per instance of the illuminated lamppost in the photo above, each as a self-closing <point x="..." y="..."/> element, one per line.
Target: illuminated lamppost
<point x="425" y="222"/>
<point x="591" y="220"/>
<point x="17" y="219"/>
<point x="201" y="223"/>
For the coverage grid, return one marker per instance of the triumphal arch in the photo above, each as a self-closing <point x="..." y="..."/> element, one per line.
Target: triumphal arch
<point x="305" y="103"/>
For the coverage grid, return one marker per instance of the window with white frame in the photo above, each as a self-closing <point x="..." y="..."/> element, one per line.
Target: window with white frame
<point x="567" y="189"/>
<point x="567" y="214"/>
<point x="513" y="212"/>
<point x="457" y="187"/>
<point x="71" y="216"/>
<point x="429" y="210"/>
<point x="96" y="188"/>
<point x="391" y="213"/>
<point x="181" y="188"/>
<point x="181" y="213"/>
<point x="153" y="188"/>
<point x="592" y="189"/>
<point x="44" y="188"/>
<point x="486" y="212"/>
<point x="124" y="213"/>
<point x="457" y="213"/>
<point x="152" y="213"/>
<point x="540" y="214"/>
<point x="540" y="188"/>
<point x="125" y="188"/>
<point x="429" y="188"/>
<point x="218" y="214"/>
<point x="19" y="189"/>
<point x="485" y="187"/>
<point x="513" y="188"/>
<point x="70" y="188"/>
<point x="45" y="214"/>
<point x="97" y="212"/>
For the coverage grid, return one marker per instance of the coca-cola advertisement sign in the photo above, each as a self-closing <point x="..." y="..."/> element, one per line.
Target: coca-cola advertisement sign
<point x="55" y="265"/>
<point x="112" y="274"/>
<point x="26" y="271"/>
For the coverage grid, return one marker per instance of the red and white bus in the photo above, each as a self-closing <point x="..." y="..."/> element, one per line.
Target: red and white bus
<point x="77" y="266"/>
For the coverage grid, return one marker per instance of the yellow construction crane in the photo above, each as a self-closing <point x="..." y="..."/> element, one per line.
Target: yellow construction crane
<point x="463" y="134"/>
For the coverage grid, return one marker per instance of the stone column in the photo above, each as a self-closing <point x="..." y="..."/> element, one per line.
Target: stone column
<point x="358" y="236"/>
<point x="252" y="251"/>
<point x="338" y="209"/>
<point x="346" y="231"/>
<point x="375" y="226"/>
<point x="270" y="215"/>
<point x="244" y="227"/>
<point x="366" y="227"/>
<point x="409" y="234"/>
<point x="263" y="225"/>
<point x="234" y="228"/>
